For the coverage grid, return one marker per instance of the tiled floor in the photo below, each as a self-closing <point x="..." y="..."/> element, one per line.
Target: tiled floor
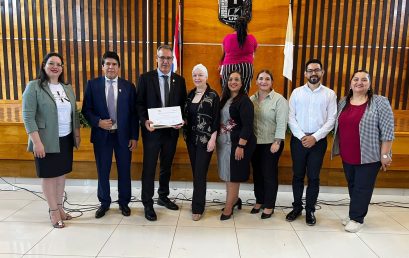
<point x="25" y="230"/>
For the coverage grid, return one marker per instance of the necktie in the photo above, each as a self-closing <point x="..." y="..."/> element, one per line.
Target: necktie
<point x="165" y="78"/>
<point x="111" y="102"/>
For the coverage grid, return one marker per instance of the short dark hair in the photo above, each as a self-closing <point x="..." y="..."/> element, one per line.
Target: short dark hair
<point x="164" y="47"/>
<point x="110" y="54"/>
<point x="313" y="61"/>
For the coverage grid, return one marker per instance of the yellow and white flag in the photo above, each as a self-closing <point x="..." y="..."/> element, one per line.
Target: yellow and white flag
<point x="289" y="47"/>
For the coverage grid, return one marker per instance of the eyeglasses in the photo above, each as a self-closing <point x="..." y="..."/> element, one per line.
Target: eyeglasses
<point x="52" y="64"/>
<point x="167" y="58"/>
<point x="310" y="71"/>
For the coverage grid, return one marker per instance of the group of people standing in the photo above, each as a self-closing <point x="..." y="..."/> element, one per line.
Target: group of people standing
<point x="245" y="131"/>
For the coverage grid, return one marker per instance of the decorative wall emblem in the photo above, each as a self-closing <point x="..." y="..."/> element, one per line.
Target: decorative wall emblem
<point x="230" y="10"/>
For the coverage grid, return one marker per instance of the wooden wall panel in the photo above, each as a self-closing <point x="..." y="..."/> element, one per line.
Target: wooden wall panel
<point x="81" y="30"/>
<point x="345" y="35"/>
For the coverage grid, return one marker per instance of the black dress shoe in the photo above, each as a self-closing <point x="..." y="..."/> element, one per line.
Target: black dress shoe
<point x="150" y="214"/>
<point x="293" y="215"/>
<point x="101" y="212"/>
<point x="164" y="201"/>
<point x="126" y="211"/>
<point x="238" y="204"/>
<point x="266" y="215"/>
<point x="255" y="211"/>
<point x="226" y="217"/>
<point x="310" y="218"/>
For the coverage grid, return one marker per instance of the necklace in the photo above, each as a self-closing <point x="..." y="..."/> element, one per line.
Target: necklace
<point x="199" y="93"/>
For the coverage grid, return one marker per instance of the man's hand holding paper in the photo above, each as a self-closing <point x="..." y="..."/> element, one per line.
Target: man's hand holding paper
<point x="166" y="117"/>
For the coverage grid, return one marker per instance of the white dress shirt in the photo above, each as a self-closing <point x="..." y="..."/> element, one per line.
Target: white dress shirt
<point x="312" y="112"/>
<point x="115" y="85"/>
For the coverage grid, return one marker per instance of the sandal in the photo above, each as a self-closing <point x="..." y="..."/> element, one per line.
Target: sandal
<point x="63" y="214"/>
<point x="59" y="223"/>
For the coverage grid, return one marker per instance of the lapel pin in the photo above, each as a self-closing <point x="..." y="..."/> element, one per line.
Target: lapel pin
<point x="120" y="90"/>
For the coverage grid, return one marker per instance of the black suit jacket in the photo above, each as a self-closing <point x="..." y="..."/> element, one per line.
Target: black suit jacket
<point x="148" y="96"/>
<point x="94" y="108"/>
<point x="242" y="113"/>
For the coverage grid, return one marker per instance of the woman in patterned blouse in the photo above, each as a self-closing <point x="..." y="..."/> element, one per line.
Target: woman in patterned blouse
<point x="363" y="138"/>
<point x="202" y="113"/>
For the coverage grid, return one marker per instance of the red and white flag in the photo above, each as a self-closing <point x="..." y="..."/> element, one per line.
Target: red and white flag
<point x="176" y="41"/>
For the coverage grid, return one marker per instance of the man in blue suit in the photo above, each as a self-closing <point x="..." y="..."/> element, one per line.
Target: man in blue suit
<point x="109" y="107"/>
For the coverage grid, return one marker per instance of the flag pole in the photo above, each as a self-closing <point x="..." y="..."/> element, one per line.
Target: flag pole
<point x="288" y="51"/>
<point x="181" y="38"/>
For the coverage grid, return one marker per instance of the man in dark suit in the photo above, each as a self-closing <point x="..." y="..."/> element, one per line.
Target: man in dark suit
<point x="158" y="88"/>
<point x="109" y="107"/>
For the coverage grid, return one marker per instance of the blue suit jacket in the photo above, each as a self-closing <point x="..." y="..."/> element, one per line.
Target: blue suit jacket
<point x="94" y="108"/>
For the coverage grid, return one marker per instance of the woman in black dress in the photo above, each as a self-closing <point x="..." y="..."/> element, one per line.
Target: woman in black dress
<point x="51" y="120"/>
<point x="236" y="141"/>
<point x="202" y="113"/>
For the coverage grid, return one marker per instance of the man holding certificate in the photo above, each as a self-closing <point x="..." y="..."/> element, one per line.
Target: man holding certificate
<point x="160" y="94"/>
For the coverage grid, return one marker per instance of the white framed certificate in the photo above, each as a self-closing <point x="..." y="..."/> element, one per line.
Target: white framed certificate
<point x="165" y="117"/>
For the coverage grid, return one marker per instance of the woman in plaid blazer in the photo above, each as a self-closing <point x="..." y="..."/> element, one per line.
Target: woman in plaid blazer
<point x="363" y="138"/>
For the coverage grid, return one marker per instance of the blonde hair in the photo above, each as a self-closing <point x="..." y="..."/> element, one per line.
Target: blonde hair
<point x="201" y="68"/>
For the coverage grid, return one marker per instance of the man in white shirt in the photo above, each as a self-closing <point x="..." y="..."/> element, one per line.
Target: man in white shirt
<point x="313" y="109"/>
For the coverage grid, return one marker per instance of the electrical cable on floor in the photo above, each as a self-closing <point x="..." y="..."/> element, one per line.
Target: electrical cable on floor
<point x="83" y="208"/>
<point x="21" y="188"/>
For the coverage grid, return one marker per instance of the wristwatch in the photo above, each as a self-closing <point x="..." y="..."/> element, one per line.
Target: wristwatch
<point x="385" y="156"/>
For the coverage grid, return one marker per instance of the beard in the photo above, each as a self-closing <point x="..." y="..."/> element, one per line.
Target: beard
<point x="314" y="79"/>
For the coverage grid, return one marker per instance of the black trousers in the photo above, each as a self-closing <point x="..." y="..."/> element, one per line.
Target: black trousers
<point x="361" y="182"/>
<point x="306" y="161"/>
<point x="265" y="174"/>
<point x="163" y="147"/>
<point x="103" y="157"/>
<point x="200" y="160"/>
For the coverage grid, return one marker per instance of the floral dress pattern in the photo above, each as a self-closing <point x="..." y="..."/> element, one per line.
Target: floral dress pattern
<point x="224" y="142"/>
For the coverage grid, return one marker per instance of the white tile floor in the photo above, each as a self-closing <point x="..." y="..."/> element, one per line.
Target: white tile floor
<point x="25" y="230"/>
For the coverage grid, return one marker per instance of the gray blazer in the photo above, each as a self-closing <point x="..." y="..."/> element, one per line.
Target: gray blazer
<point x="40" y="114"/>
<point x="376" y="126"/>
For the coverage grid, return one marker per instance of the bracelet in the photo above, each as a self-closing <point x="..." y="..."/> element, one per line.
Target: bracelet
<point x="241" y="146"/>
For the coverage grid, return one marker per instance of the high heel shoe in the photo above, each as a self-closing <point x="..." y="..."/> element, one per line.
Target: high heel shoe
<point x="226" y="217"/>
<point x="266" y="215"/>
<point x="58" y="224"/>
<point x="239" y="203"/>
<point x="255" y="211"/>
<point x="66" y="215"/>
